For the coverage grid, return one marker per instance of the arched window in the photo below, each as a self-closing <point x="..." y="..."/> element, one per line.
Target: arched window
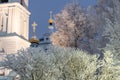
<point x="4" y="1"/>
<point x="1" y="23"/>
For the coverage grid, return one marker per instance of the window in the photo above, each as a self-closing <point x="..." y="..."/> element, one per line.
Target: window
<point x="1" y="28"/>
<point x="47" y="38"/>
<point x="3" y="1"/>
<point x="3" y="21"/>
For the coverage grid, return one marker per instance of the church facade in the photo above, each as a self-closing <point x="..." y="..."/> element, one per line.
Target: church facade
<point x="14" y="25"/>
<point x="14" y="31"/>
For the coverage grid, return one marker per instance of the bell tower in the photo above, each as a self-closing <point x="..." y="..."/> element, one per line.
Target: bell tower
<point x="14" y="25"/>
<point x="22" y="2"/>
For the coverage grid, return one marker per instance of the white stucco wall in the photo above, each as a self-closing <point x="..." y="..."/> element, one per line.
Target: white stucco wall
<point x="24" y="2"/>
<point x="11" y="44"/>
<point x="14" y="18"/>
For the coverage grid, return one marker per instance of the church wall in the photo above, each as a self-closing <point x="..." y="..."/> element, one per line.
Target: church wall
<point x="22" y="44"/>
<point x="23" y="2"/>
<point x="11" y="44"/>
<point x="20" y="20"/>
<point x="17" y="18"/>
<point x="8" y="44"/>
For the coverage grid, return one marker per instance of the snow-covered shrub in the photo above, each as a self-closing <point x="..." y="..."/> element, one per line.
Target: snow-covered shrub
<point x="108" y="68"/>
<point x="60" y="64"/>
<point x="52" y="64"/>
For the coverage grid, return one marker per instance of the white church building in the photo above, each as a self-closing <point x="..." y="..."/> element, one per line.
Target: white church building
<point x="14" y="29"/>
<point x="14" y="25"/>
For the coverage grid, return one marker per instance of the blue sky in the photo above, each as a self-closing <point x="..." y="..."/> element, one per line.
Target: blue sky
<point x="40" y="12"/>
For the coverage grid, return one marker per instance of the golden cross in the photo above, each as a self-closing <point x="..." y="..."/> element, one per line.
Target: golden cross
<point x="34" y="26"/>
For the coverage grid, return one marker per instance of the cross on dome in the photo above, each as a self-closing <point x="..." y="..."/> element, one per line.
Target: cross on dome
<point x="34" y="24"/>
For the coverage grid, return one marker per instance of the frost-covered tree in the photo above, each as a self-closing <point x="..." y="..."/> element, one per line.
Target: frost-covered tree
<point x="76" y="27"/>
<point x="112" y="31"/>
<point x="53" y="64"/>
<point x="61" y="64"/>
<point x="106" y="7"/>
<point x="70" y="25"/>
<point x="108" y="68"/>
<point x="94" y="30"/>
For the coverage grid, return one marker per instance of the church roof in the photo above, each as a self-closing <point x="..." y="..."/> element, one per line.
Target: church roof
<point x="4" y="34"/>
